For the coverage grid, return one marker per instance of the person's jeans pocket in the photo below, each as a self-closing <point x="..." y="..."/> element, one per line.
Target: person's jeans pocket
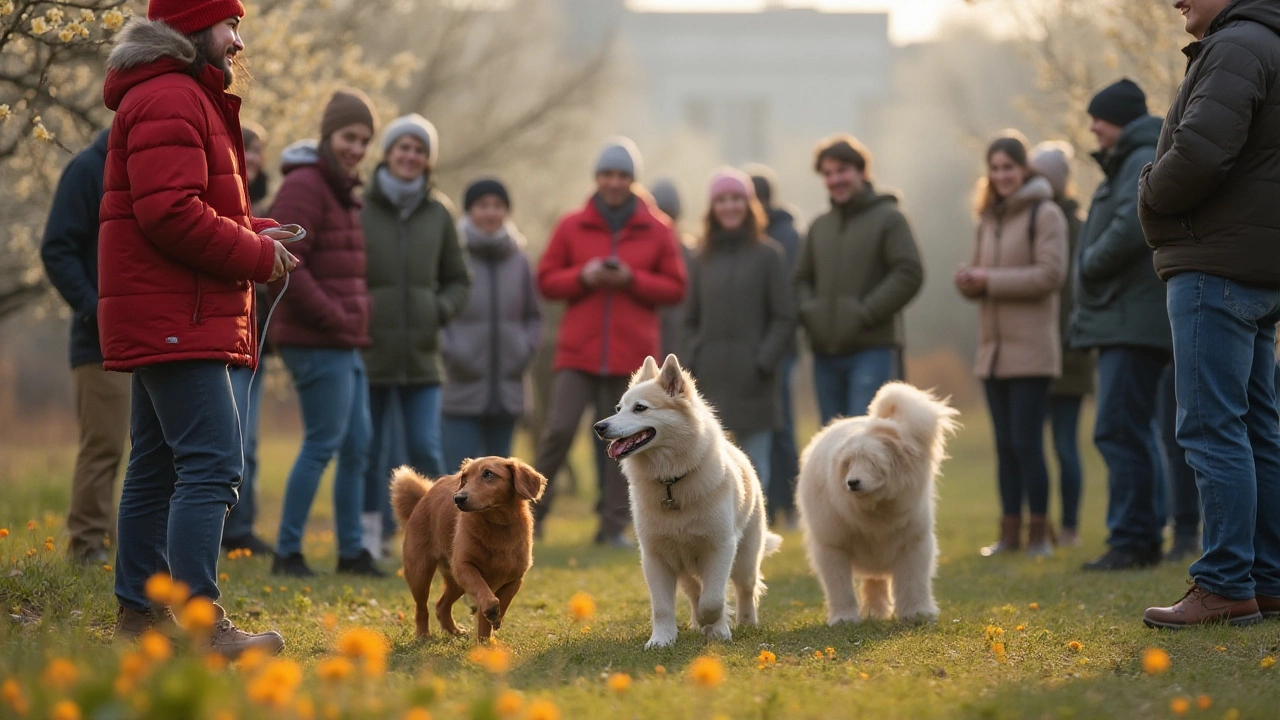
<point x="1250" y="304"/>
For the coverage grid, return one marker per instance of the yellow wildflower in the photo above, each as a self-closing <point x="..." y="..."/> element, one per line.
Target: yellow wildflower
<point x="1268" y="662"/>
<point x="215" y="662"/>
<point x="223" y="577"/>
<point x="619" y="682"/>
<point x="831" y="653"/>
<point x="199" y="615"/>
<point x="997" y="649"/>
<point x="493" y="658"/>
<point x="32" y="524"/>
<point x="276" y="683"/>
<point x="1204" y="702"/>
<point x="155" y="646"/>
<point x="65" y="710"/>
<point x="1155" y="661"/>
<point x="1180" y="705"/>
<point x="107" y="568"/>
<point x="1232" y="714"/>
<point x="864" y="676"/>
<point x="266" y="589"/>
<point x="4" y="115"/>
<point x="60" y="674"/>
<point x="509" y="703"/>
<point x="32" y="552"/>
<point x="417" y="714"/>
<point x="368" y="646"/>
<point x="335" y="669"/>
<point x="12" y="693"/>
<point x="305" y="709"/>
<point x="543" y="710"/>
<point x="582" y="606"/>
<point x="1074" y="645"/>
<point x="817" y="654"/>
<point x="659" y="670"/>
<point x="159" y="587"/>
<point x="330" y="621"/>
<point x="251" y="660"/>
<point x="766" y="659"/>
<point x="1033" y="606"/>
<point x="1221" y="648"/>
<point x="1021" y="628"/>
<point x="706" y="672"/>
<point x="112" y="20"/>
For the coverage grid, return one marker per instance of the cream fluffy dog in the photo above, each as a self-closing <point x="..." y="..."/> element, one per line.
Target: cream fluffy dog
<point x="696" y="500"/>
<point x="866" y="500"/>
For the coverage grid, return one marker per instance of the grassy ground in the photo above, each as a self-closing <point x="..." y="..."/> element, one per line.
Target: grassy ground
<point x="883" y="670"/>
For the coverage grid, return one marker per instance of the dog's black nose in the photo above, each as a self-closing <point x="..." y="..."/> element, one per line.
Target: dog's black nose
<point x="855" y="484"/>
<point x="460" y="499"/>
<point x="601" y="427"/>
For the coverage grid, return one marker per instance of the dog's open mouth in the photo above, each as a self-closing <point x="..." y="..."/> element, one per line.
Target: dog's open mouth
<point x="623" y="447"/>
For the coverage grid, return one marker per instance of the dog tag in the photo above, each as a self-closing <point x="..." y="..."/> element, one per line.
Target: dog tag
<point x="670" y="504"/>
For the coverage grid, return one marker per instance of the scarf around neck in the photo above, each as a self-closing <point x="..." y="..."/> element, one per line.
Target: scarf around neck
<point x="404" y="195"/>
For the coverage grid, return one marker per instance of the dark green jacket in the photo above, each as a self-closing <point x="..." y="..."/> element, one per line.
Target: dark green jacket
<point x="1119" y="300"/>
<point x="418" y="281"/>
<point x="858" y="269"/>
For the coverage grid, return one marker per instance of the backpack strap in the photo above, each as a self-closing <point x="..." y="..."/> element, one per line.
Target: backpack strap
<point x="1031" y="229"/>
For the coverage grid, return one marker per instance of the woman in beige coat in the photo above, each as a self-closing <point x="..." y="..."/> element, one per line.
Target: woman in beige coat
<point x="1018" y="268"/>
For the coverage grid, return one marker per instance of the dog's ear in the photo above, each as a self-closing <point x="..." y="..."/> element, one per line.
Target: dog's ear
<point x="671" y="377"/>
<point x="462" y="472"/>
<point x="647" y="371"/>
<point x="529" y="483"/>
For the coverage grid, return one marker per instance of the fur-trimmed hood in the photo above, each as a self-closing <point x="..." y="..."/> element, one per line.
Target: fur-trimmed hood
<point x="147" y="49"/>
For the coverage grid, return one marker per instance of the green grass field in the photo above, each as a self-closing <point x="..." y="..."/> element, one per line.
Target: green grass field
<point x="880" y="670"/>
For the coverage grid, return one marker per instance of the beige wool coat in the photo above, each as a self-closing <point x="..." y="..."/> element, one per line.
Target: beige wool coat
<point x="1018" y="334"/>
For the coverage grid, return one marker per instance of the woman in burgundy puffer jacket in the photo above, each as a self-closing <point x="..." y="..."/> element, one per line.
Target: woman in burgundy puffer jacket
<point x="321" y="325"/>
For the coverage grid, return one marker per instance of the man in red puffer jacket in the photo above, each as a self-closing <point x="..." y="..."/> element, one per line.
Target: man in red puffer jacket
<point x="614" y="262"/>
<point x="178" y="254"/>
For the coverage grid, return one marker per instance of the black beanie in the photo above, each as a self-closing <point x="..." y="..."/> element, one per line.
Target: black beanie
<point x="482" y="187"/>
<point x="1120" y="103"/>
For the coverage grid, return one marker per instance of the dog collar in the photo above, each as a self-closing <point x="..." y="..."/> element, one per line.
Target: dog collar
<point x="669" y="502"/>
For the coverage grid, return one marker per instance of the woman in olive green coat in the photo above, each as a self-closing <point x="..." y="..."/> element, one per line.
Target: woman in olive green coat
<point x="418" y="280"/>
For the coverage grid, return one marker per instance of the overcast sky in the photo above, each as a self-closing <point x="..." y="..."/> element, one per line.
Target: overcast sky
<point x="909" y="20"/>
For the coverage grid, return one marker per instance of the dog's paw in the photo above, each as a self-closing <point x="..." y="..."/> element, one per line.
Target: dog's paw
<point x="661" y="639"/>
<point x="494" y="616"/>
<point x="711" y="615"/>
<point x="846" y="617"/>
<point x="719" y="632"/>
<point x="922" y="617"/>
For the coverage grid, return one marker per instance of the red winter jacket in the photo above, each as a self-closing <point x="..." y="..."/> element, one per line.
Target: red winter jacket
<point x="327" y="302"/>
<point x="607" y="331"/>
<point x="178" y="247"/>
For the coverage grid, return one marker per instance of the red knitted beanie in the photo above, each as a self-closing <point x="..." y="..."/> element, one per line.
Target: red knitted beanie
<point x="191" y="16"/>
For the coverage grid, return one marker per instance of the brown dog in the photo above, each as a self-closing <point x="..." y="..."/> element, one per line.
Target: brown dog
<point x="476" y="528"/>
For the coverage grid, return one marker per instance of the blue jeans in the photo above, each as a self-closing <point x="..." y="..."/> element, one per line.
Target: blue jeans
<point x="759" y="449"/>
<point x="1064" y="424"/>
<point x="1224" y="359"/>
<point x="184" y="468"/>
<point x="334" y="394"/>
<point x="1183" y="506"/>
<point x="248" y="391"/>
<point x="845" y="384"/>
<point x="785" y="460"/>
<point x="1018" y="409"/>
<point x="1125" y="434"/>
<point x="413" y="411"/>
<point x="474" y="436"/>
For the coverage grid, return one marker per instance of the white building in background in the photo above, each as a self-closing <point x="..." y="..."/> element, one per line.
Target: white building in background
<point x="758" y="82"/>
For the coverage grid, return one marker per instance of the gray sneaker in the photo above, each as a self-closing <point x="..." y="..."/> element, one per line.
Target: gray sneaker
<point x="231" y="642"/>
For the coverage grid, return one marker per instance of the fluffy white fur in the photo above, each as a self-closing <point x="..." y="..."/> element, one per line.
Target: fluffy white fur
<point x="718" y="533"/>
<point x="866" y="500"/>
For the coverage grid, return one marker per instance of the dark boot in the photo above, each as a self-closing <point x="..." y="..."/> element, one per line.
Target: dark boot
<point x="291" y="566"/>
<point x="1125" y="559"/>
<point x="361" y="564"/>
<point x="1040" y="538"/>
<point x="1201" y="607"/>
<point x="1184" y="548"/>
<point x="1269" y="606"/>
<point x="1010" y="537"/>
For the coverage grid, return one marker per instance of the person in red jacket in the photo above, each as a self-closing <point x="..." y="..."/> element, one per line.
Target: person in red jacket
<point x="613" y="262"/>
<point x="179" y="250"/>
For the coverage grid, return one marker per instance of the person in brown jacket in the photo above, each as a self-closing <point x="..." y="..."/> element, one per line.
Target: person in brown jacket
<point x="1018" y="268"/>
<point x="321" y="325"/>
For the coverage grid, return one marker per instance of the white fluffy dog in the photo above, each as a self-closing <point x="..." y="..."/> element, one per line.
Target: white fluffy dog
<point x="697" y="503"/>
<point x="866" y="499"/>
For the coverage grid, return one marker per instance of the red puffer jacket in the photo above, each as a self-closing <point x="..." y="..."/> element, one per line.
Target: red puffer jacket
<point x="178" y="247"/>
<point x="327" y="302"/>
<point x="607" y="331"/>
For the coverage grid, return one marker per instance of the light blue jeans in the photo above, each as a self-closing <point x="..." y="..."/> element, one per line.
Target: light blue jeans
<point x="401" y="412"/>
<point x="334" y="393"/>
<point x="759" y="450"/>
<point x="846" y="384"/>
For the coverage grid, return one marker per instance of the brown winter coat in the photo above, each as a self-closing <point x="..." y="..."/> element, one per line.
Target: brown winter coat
<point x="1018" y="333"/>
<point x="327" y="303"/>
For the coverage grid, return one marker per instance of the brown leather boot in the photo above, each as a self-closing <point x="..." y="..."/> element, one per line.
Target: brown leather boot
<point x="1269" y="607"/>
<point x="1200" y="607"/>
<point x="131" y="624"/>
<point x="1040" y="538"/>
<point x="231" y="642"/>
<point x="1010" y="537"/>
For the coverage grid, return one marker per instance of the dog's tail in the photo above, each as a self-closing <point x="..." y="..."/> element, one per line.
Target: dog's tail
<point x="407" y="488"/>
<point x="772" y="543"/>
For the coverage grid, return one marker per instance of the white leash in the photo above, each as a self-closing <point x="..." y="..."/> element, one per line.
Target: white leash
<point x="262" y="341"/>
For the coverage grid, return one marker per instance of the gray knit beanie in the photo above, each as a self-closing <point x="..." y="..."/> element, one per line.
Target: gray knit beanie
<point x="620" y="154"/>
<point x="416" y="126"/>
<point x="1052" y="161"/>
<point x="667" y="197"/>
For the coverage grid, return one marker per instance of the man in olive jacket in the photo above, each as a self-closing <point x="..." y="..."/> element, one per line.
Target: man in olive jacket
<point x="1120" y="310"/>
<point x="1210" y="209"/>
<point x="858" y="269"/>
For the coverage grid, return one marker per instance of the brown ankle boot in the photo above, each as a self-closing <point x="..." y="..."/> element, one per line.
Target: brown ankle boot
<point x="1040" y="537"/>
<point x="231" y="642"/>
<point x="131" y="624"/>
<point x="1269" y="606"/>
<point x="1010" y="537"/>
<point x="1200" y="607"/>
